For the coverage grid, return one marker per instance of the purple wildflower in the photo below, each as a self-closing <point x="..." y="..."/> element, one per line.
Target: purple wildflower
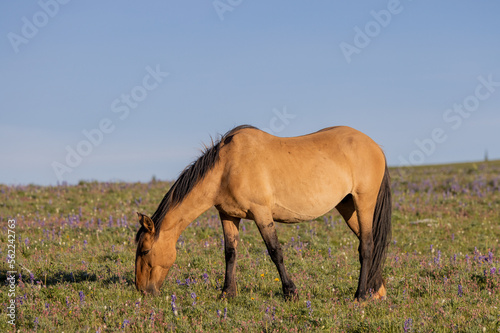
<point x="27" y="241"/>
<point x="460" y="291"/>
<point x="492" y="270"/>
<point x="225" y="313"/>
<point x="438" y="258"/>
<point x="308" y="305"/>
<point x="408" y="325"/>
<point x="32" y="278"/>
<point x="205" y="277"/>
<point x="193" y="296"/>
<point x="218" y="313"/>
<point x="82" y="296"/>
<point x="125" y="322"/>
<point x="67" y="301"/>
<point x="174" y="307"/>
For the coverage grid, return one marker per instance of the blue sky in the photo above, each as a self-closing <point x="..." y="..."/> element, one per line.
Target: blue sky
<point x="135" y="88"/>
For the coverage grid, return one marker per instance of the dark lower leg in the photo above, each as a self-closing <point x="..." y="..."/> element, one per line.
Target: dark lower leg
<point x="230" y="226"/>
<point x="365" y="253"/>
<point x="268" y="233"/>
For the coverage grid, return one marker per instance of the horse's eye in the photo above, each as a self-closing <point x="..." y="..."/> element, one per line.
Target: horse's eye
<point x="143" y="253"/>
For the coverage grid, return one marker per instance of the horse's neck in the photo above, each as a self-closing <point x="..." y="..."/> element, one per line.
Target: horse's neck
<point x="197" y="201"/>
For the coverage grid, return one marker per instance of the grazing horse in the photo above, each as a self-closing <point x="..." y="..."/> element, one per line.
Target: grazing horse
<point x="254" y="175"/>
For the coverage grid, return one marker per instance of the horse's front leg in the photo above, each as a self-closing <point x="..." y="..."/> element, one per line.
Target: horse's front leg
<point x="268" y="233"/>
<point x="230" y="226"/>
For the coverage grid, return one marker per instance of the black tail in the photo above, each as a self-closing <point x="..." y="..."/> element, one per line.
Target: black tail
<point x="381" y="231"/>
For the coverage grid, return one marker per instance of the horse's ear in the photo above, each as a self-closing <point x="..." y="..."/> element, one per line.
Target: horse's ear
<point x="146" y="222"/>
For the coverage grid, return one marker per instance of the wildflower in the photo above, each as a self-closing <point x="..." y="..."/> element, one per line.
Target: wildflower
<point x="262" y="275"/>
<point x="329" y="251"/>
<point x="193" y="296"/>
<point x="205" y="277"/>
<point x="460" y="291"/>
<point x="82" y="296"/>
<point x="174" y="307"/>
<point x="225" y="313"/>
<point x="408" y="324"/>
<point x="32" y="278"/>
<point x="125" y="322"/>
<point x="492" y="270"/>
<point x="308" y="305"/>
<point x="436" y="259"/>
<point x="36" y="322"/>
<point x="27" y="242"/>
<point x="218" y="313"/>
<point x="85" y="244"/>
<point x="67" y="301"/>
<point x="277" y="280"/>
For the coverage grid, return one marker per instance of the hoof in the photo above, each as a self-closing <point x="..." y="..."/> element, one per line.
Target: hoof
<point x="291" y="295"/>
<point x="227" y="294"/>
<point x="381" y="293"/>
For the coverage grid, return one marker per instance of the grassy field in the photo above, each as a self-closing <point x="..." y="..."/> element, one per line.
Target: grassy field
<point x="75" y="258"/>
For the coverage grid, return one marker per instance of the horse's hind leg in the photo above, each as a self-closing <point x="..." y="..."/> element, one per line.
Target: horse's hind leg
<point x="358" y="214"/>
<point x="230" y="226"/>
<point x="365" y="206"/>
<point x="348" y="211"/>
<point x="268" y="233"/>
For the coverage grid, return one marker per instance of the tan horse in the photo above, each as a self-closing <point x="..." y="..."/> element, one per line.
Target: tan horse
<point x="253" y="175"/>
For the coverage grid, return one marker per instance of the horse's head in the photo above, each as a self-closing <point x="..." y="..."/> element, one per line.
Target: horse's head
<point x="154" y="257"/>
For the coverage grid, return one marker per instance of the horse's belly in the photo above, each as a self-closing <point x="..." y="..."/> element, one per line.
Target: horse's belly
<point x="304" y="211"/>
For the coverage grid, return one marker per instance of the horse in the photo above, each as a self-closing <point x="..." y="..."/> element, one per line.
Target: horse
<point x="250" y="174"/>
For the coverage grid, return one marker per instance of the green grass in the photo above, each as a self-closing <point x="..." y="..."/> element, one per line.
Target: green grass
<point x="77" y="241"/>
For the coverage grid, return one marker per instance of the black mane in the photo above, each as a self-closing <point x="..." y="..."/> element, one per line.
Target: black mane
<point x="188" y="178"/>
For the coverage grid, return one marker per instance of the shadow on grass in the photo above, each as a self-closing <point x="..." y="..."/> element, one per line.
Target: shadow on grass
<point x="76" y="276"/>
